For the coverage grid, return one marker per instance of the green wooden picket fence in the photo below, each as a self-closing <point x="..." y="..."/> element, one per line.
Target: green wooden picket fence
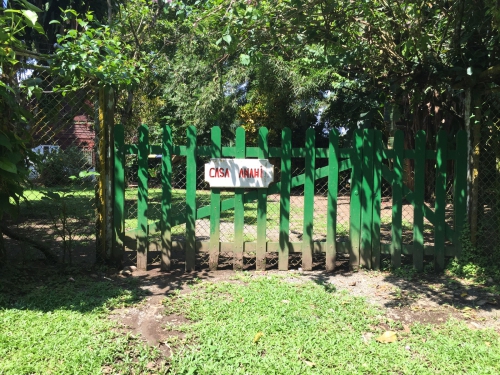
<point x="367" y="161"/>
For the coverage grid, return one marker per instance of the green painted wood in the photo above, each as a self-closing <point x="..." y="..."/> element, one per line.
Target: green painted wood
<point x="460" y="189"/>
<point x="408" y="194"/>
<point x="308" y="220"/>
<point x="333" y="183"/>
<point x="216" y="152"/>
<point x="239" y="207"/>
<point x="355" y="206"/>
<point x="166" y="199"/>
<point x="262" y="207"/>
<point x="418" y="199"/>
<point x="397" y="199"/>
<point x="285" y="187"/>
<point x="190" y="198"/>
<point x="251" y="196"/>
<point x="365" y="252"/>
<point x="142" y="198"/>
<point x="119" y="209"/>
<point x="377" y="199"/>
<point x="440" y="203"/>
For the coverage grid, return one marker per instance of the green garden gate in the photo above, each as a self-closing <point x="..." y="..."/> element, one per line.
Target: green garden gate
<point x="433" y="230"/>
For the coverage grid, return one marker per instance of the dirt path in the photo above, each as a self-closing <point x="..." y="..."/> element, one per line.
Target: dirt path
<point x="425" y="298"/>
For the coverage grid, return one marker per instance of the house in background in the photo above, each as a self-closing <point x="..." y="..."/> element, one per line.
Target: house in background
<point x="79" y="134"/>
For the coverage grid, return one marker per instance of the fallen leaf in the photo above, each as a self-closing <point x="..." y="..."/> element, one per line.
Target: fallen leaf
<point x="310" y="364"/>
<point x="406" y="328"/>
<point x="367" y="337"/>
<point x="257" y="337"/>
<point x="387" y="337"/>
<point x="242" y="300"/>
<point x="353" y="283"/>
<point x="463" y="295"/>
<point x="285" y="301"/>
<point x="488" y="343"/>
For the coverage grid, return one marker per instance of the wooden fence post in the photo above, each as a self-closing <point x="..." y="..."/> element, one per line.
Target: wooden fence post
<point x="119" y="209"/>
<point x="105" y="189"/>
<point x="397" y="200"/>
<point x="239" y="207"/>
<point x="418" y="198"/>
<point x="142" y="198"/>
<point x="460" y="191"/>
<point x="191" y="199"/>
<point x="308" y="224"/>
<point x="440" y="204"/>
<point x="333" y="181"/>
<point x="215" y="152"/>
<point x="377" y="199"/>
<point x="286" y="179"/>
<point x="166" y="199"/>
<point x="262" y="207"/>
<point x="355" y="206"/>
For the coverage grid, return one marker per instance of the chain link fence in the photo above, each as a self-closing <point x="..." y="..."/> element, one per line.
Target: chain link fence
<point x="58" y="210"/>
<point x="485" y="200"/>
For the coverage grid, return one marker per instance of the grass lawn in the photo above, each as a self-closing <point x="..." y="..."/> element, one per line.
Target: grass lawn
<point x="57" y="326"/>
<point x="268" y="325"/>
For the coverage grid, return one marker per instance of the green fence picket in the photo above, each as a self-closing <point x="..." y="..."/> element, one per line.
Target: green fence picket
<point x="262" y="207"/>
<point x="166" y="199"/>
<point x="377" y="198"/>
<point x="440" y="204"/>
<point x="333" y="183"/>
<point x="286" y="178"/>
<point x="215" y="153"/>
<point x="460" y="191"/>
<point x="191" y="199"/>
<point x="355" y="206"/>
<point x="239" y="207"/>
<point x="397" y="200"/>
<point x="142" y="198"/>
<point x="418" y="199"/>
<point x="119" y="209"/>
<point x="308" y="223"/>
<point x="365" y="252"/>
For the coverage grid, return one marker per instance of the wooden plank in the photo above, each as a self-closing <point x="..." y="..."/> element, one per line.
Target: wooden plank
<point x="216" y="152"/>
<point x="377" y="199"/>
<point x="460" y="189"/>
<point x="331" y="219"/>
<point x="262" y="207"/>
<point x="440" y="203"/>
<point x="418" y="200"/>
<point x="308" y="221"/>
<point x="142" y="199"/>
<point x="239" y="207"/>
<point x="397" y="200"/>
<point x="190" y="198"/>
<point x="355" y="206"/>
<point x="365" y="252"/>
<point x="286" y="174"/>
<point x="119" y="209"/>
<point x="166" y="199"/>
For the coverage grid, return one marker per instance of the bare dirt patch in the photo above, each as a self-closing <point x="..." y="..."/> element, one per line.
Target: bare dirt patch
<point x="428" y="299"/>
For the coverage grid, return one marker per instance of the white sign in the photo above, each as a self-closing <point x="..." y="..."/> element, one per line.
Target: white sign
<point x="245" y="173"/>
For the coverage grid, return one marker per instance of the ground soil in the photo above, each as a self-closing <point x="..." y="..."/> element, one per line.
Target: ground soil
<point x="425" y="298"/>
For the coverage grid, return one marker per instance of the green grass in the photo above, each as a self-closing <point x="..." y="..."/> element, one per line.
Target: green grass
<point x="56" y="326"/>
<point x="309" y="328"/>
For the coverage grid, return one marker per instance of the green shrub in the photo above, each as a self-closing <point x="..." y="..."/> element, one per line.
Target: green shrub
<point x="56" y="167"/>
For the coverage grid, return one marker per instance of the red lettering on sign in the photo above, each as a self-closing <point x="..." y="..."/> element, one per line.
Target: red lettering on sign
<point x="211" y="172"/>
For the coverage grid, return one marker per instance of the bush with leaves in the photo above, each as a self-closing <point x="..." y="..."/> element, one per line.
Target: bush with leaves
<point x="57" y="167"/>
